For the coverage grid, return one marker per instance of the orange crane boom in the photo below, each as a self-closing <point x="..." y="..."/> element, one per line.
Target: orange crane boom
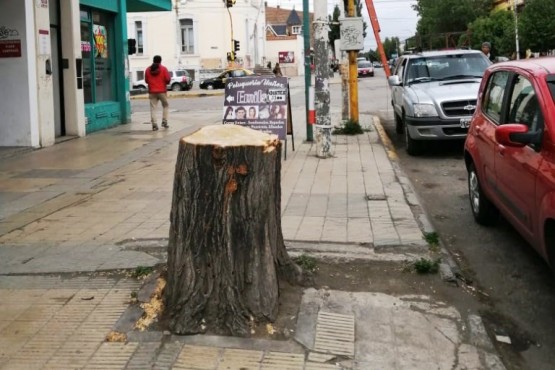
<point x="376" y="28"/>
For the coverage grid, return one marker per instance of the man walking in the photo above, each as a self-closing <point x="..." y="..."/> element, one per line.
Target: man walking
<point x="157" y="77"/>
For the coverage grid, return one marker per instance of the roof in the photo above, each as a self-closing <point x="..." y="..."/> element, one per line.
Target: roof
<point x="436" y="53"/>
<point x="279" y="29"/>
<point x="540" y="66"/>
<point x="285" y="16"/>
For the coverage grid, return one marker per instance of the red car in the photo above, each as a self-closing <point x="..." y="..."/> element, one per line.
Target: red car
<point x="510" y="150"/>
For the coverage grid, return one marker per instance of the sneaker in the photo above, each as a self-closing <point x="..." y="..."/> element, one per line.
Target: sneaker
<point x="154" y="127"/>
<point x="165" y="124"/>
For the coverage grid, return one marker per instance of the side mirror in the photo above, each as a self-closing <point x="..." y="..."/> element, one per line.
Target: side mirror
<point x="394" y="80"/>
<point x="517" y="135"/>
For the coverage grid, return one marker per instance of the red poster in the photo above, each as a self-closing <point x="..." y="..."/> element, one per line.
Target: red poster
<point x="286" y="57"/>
<point x="10" y="48"/>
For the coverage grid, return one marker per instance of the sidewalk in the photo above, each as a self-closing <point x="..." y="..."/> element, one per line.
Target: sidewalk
<point x="89" y="207"/>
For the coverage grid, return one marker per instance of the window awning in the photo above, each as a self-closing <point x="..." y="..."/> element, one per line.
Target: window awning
<point x="148" y="5"/>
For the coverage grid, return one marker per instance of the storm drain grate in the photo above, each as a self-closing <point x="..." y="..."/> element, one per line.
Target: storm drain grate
<point x="335" y="334"/>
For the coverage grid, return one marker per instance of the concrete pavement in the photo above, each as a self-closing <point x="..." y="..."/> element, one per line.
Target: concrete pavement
<point x="81" y="211"/>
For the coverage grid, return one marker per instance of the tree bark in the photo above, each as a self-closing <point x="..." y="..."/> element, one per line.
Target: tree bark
<point x="226" y="251"/>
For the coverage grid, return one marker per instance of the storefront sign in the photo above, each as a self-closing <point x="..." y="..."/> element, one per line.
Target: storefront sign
<point x="10" y="48"/>
<point x="286" y="56"/>
<point x="258" y="102"/>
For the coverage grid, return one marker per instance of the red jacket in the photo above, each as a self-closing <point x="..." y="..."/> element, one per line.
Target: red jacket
<point x="157" y="78"/>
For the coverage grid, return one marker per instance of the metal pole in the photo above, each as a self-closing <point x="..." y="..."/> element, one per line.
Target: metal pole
<point x="516" y="31"/>
<point x="322" y="69"/>
<point x="353" y="72"/>
<point x="307" y="73"/>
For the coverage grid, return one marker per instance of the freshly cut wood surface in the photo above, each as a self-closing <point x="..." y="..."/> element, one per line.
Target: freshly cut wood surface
<point x="231" y="135"/>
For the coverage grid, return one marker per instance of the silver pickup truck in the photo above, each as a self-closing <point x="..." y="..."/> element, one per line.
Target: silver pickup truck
<point x="434" y="94"/>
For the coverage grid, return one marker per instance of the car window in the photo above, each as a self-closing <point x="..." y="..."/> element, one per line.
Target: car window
<point x="180" y="73"/>
<point x="401" y="68"/>
<point x="494" y="93"/>
<point x="238" y="73"/>
<point x="524" y="107"/>
<point x="364" y="65"/>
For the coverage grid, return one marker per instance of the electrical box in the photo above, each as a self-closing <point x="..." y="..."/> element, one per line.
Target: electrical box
<point x="351" y="30"/>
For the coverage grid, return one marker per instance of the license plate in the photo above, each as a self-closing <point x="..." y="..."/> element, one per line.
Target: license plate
<point x="465" y="122"/>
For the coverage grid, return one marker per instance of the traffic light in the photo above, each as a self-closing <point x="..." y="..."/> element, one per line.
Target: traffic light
<point x="236" y="45"/>
<point x="131" y="46"/>
<point x="231" y="56"/>
<point x="229" y="3"/>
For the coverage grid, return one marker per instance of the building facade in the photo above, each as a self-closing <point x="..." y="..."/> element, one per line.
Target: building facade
<point x="64" y="67"/>
<point x="197" y="35"/>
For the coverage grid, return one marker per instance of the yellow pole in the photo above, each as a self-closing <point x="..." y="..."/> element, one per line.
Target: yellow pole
<point x="353" y="72"/>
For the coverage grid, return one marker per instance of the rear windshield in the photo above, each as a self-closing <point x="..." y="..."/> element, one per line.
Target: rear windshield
<point x="364" y="64"/>
<point x="445" y="67"/>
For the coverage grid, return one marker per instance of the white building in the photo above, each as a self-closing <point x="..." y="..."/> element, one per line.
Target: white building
<point x="197" y="35"/>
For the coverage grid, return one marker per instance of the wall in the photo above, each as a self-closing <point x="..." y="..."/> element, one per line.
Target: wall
<point x="18" y="121"/>
<point x="273" y="47"/>
<point x="212" y="34"/>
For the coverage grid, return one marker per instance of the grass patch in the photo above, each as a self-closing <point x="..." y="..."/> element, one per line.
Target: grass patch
<point x="433" y="240"/>
<point x="426" y="266"/>
<point x="141" y="271"/>
<point x="350" y="127"/>
<point x="306" y="262"/>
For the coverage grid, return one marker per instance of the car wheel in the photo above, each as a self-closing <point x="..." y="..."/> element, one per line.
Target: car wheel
<point x="483" y="210"/>
<point x="209" y="87"/>
<point x="176" y="87"/>
<point x="414" y="147"/>
<point x="398" y="124"/>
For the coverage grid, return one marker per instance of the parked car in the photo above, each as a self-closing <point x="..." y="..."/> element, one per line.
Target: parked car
<point x="433" y="95"/>
<point x="365" y="68"/>
<point x="510" y="151"/>
<point x="180" y="80"/>
<point x="219" y="81"/>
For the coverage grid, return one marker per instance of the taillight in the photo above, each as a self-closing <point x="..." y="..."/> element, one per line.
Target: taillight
<point x="184" y="79"/>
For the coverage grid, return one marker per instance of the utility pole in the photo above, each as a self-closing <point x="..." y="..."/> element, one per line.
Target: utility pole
<point x="322" y="69"/>
<point x="307" y="72"/>
<point x="517" y="51"/>
<point x="353" y="71"/>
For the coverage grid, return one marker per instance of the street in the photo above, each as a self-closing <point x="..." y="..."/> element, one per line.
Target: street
<point x="514" y="285"/>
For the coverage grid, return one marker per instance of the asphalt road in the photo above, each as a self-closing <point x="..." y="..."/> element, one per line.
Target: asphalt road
<point x="513" y="285"/>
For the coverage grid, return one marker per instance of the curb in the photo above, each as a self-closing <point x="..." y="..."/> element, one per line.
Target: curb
<point x="449" y="269"/>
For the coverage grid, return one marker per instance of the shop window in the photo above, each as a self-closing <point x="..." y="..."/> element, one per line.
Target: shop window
<point x="187" y="36"/>
<point x="97" y="50"/>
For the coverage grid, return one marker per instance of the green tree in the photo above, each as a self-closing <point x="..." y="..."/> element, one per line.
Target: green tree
<point x="498" y="29"/>
<point x="535" y="25"/>
<point x="334" y="32"/>
<point x="439" y="19"/>
<point x="391" y="46"/>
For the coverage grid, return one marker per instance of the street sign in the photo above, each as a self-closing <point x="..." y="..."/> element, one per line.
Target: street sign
<point x="351" y="33"/>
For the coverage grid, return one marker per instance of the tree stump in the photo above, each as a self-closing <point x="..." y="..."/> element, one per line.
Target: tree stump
<point x="226" y="252"/>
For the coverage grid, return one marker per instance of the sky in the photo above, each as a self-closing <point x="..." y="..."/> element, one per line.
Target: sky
<point x="396" y="17"/>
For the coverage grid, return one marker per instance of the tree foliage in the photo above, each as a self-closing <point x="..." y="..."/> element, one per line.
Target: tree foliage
<point x="391" y="46"/>
<point x="498" y="29"/>
<point x="536" y="24"/>
<point x="438" y="18"/>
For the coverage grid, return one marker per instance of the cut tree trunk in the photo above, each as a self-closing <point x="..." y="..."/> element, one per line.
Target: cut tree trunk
<point x="226" y="252"/>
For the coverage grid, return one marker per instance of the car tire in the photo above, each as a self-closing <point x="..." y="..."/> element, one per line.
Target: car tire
<point x="398" y="124"/>
<point x="414" y="147"/>
<point x="483" y="210"/>
<point x="176" y="87"/>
